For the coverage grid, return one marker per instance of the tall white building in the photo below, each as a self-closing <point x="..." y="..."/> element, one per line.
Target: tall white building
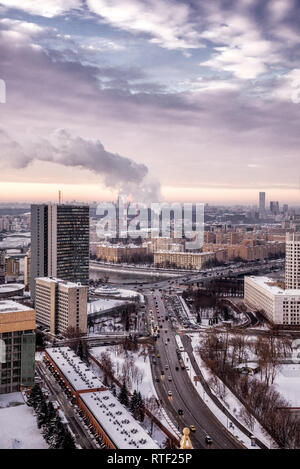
<point x="60" y="304"/>
<point x="292" y="261"/>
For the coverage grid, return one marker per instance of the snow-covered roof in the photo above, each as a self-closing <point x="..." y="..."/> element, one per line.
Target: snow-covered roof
<point x="79" y="375"/>
<point x="11" y="287"/>
<point x="270" y="285"/>
<point x="116" y="421"/>
<point x="103" y="304"/>
<point x="124" y="431"/>
<point x="9" y="306"/>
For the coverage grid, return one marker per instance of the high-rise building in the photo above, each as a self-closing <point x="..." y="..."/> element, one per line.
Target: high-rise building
<point x="60" y="243"/>
<point x="274" y="207"/>
<point x="61" y="305"/>
<point x="292" y="261"/>
<point x="27" y="267"/>
<point x="262" y="202"/>
<point x="2" y="267"/>
<point x="17" y="346"/>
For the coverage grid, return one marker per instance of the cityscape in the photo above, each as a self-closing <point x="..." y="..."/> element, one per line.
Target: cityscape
<point x="149" y="302"/>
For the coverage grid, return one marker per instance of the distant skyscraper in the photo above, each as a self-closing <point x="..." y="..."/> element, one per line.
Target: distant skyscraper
<point x="292" y="261"/>
<point x="59" y="243"/>
<point x="274" y="207"/>
<point x="262" y="202"/>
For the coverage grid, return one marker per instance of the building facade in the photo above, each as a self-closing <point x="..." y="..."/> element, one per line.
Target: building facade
<point x="61" y="305"/>
<point x="119" y="253"/>
<point x="292" y="261"/>
<point x="279" y="306"/>
<point x="59" y="243"/>
<point x="17" y="346"/>
<point x="183" y="260"/>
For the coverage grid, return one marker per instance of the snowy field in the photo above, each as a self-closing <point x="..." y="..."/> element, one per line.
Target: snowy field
<point x="18" y="428"/>
<point x="287" y="382"/>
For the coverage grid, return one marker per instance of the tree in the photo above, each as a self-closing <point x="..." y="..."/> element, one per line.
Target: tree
<point x="123" y="396"/>
<point x="133" y="402"/>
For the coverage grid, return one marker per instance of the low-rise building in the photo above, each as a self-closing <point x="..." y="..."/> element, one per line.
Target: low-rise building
<point x="119" y="252"/>
<point x="183" y="260"/>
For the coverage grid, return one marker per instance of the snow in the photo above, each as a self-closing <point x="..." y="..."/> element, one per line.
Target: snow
<point x="79" y="375"/>
<point x="18" y="428"/>
<point x="117" y="422"/>
<point x="103" y="304"/>
<point x="230" y="401"/>
<point x="287" y="382"/>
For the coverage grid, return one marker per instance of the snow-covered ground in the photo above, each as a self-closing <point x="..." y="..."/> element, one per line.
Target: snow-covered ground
<point x="287" y="382"/>
<point x="140" y="378"/>
<point x="18" y="427"/>
<point x="229" y="400"/>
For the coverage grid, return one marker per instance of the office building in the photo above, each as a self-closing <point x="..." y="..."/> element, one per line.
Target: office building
<point x="274" y="207"/>
<point x="292" y="261"/>
<point x="279" y="306"/>
<point x="60" y="243"/>
<point x="61" y="305"/>
<point x="17" y="346"/>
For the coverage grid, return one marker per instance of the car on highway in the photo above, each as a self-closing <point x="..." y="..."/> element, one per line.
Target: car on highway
<point x="158" y="355"/>
<point x="157" y="379"/>
<point x="208" y="440"/>
<point x="176" y="367"/>
<point x="180" y="412"/>
<point x="166" y="343"/>
<point x="169" y="378"/>
<point x="167" y="367"/>
<point x="170" y="393"/>
<point x="192" y="428"/>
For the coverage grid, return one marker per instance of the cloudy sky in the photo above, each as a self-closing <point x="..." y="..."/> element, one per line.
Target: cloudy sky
<point x="194" y="100"/>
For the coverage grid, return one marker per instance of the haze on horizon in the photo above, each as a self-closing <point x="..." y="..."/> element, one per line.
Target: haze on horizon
<point x="179" y="100"/>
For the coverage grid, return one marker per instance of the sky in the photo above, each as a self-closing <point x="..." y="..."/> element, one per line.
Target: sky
<point x="194" y="101"/>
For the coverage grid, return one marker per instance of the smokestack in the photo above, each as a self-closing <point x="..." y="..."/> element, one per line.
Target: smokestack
<point x="59" y="197"/>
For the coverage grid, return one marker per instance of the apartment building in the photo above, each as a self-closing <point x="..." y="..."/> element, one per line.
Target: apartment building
<point x="61" y="305"/>
<point x="119" y="252"/>
<point x="2" y="267"/>
<point x="292" y="261"/>
<point x="183" y="260"/>
<point x="17" y="346"/>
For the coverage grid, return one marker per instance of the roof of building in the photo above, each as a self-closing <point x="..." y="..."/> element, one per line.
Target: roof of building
<point x="64" y="283"/>
<point x="271" y="286"/>
<point x="120" y="426"/>
<point x="9" y="306"/>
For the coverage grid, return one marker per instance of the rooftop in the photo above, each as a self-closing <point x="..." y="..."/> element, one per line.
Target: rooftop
<point x="9" y="306"/>
<point x="270" y="285"/>
<point x="120" y="426"/>
<point x="60" y="281"/>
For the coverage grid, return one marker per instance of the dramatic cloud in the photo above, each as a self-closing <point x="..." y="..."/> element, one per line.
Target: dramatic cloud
<point x="45" y="8"/>
<point x="204" y="94"/>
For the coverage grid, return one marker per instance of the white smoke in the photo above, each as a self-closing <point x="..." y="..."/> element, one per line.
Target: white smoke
<point x="116" y="171"/>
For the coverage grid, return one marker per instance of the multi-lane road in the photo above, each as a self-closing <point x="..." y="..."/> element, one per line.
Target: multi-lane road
<point x="184" y="395"/>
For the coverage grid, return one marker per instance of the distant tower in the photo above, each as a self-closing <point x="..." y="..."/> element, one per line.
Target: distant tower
<point x="262" y="203"/>
<point x="292" y="261"/>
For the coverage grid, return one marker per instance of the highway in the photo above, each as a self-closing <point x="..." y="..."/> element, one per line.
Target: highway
<point x="184" y="395"/>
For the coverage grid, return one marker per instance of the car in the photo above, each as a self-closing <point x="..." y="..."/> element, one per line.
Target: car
<point x="170" y="393"/>
<point x="158" y="355"/>
<point x="157" y="379"/>
<point x="176" y="368"/>
<point x="169" y="378"/>
<point x="192" y="428"/>
<point x="208" y="440"/>
<point x="162" y="372"/>
<point x="168" y="339"/>
<point x="180" y="412"/>
<point x="166" y="343"/>
<point x="167" y="367"/>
